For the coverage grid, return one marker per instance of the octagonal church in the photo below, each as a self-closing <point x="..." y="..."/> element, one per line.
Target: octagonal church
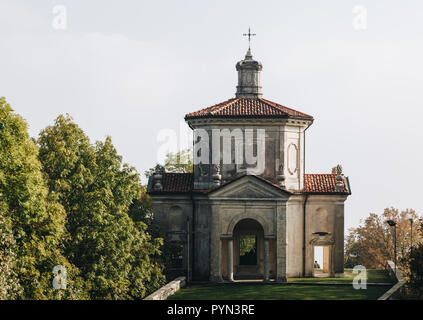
<point x="249" y="210"/>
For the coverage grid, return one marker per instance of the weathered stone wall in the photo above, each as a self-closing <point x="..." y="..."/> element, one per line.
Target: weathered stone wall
<point x="248" y="198"/>
<point x="170" y="215"/>
<point x="280" y="215"/>
<point x="284" y="143"/>
<point x="201" y="239"/>
<point x="325" y="213"/>
<point x="167" y="290"/>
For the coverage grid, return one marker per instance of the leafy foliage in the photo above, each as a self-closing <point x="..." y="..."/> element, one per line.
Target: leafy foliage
<point x="413" y="271"/>
<point x="71" y="209"/>
<point x="180" y="162"/>
<point x="372" y="243"/>
<point x="9" y="282"/>
<point x="247" y="243"/>
<point x="114" y="254"/>
<point x="352" y="252"/>
<point x="141" y="209"/>
<point x="36" y="218"/>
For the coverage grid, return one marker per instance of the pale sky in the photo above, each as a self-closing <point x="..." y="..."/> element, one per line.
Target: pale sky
<point x="130" y="69"/>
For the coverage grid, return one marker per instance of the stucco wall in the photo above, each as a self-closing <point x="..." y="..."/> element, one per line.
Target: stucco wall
<point x="328" y="208"/>
<point x="284" y="142"/>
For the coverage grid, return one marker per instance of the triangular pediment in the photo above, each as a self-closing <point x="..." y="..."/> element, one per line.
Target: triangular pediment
<point x="249" y="187"/>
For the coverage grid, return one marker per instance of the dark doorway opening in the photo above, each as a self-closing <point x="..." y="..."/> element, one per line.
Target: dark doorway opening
<point x="248" y="250"/>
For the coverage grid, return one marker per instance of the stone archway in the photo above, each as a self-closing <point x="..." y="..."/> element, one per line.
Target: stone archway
<point x="248" y="236"/>
<point x="247" y="253"/>
<point x="266" y="225"/>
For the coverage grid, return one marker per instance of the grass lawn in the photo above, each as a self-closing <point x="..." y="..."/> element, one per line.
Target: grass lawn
<point x="259" y="291"/>
<point x="276" y="292"/>
<point x="373" y="276"/>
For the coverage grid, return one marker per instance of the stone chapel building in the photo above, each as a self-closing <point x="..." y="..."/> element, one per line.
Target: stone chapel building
<point x="244" y="224"/>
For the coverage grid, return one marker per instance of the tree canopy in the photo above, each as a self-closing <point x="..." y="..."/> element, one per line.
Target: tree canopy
<point x="113" y="253"/>
<point x="9" y="281"/>
<point x="29" y="210"/>
<point x="64" y="205"/>
<point x="372" y="243"/>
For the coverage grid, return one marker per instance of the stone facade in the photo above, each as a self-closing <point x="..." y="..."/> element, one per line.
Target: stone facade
<point x="285" y="211"/>
<point x="283" y="141"/>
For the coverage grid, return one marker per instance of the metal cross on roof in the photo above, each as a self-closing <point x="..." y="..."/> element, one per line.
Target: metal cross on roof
<point x="249" y="34"/>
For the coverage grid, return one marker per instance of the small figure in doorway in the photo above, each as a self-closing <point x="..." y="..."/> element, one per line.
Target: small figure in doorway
<point x="316" y="265"/>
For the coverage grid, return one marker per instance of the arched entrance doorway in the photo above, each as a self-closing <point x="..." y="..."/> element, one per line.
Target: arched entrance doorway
<point x="253" y="254"/>
<point x="248" y="238"/>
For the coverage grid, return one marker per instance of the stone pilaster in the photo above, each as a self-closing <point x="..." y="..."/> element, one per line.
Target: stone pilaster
<point x="215" y="247"/>
<point x="230" y="259"/>
<point x="266" y="259"/>
<point x="339" y="239"/>
<point x="281" y="243"/>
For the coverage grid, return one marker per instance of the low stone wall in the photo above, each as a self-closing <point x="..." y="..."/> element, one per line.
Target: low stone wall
<point x="401" y="281"/>
<point x="168" y="289"/>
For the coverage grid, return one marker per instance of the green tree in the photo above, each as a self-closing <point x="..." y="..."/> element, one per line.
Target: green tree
<point x="413" y="271"/>
<point x="9" y="282"/>
<point x="36" y="218"/>
<point x="141" y="208"/>
<point x="180" y="162"/>
<point x="352" y="252"/>
<point x="414" y="274"/>
<point x="114" y="254"/>
<point x="247" y="244"/>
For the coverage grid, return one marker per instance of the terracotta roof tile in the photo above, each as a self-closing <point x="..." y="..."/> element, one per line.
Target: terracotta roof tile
<point x="243" y="107"/>
<point x="322" y="183"/>
<point x="313" y="183"/>
<point x="175" y="183"/>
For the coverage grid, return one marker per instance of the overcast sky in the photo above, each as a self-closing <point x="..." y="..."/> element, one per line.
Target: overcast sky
<point x="130" y="69"/>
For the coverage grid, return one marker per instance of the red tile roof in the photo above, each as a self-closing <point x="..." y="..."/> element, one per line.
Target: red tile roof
<point x="175" y="183"/>
<point x="243" y="107"/>
<point x="323" y="183"/>
<point x="313" y="183"/>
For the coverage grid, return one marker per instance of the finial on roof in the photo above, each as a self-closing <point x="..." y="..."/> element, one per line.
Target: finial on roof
<point x="249" y="74"/>
<point x="339" y="178"/>
<point x="157" y="177"/>
<point x="249" y="56"/>
<point x="337" y="170"/>
<point x="217" y="177"/>
<point x="249" y="34"/>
